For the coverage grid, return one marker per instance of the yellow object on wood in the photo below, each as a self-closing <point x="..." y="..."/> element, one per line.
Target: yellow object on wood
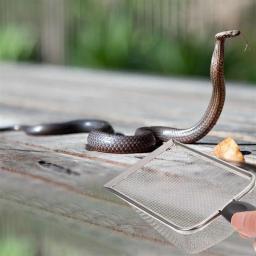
<point x="229" y="150"/>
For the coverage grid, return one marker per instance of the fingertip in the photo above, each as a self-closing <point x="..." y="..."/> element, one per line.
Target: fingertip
<point x="245" y="223"/>
<point x="244" y="236"/>
<point x="237" y="220"/>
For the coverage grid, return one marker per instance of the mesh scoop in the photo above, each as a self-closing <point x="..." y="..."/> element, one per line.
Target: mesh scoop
<point x="181" y="193"/>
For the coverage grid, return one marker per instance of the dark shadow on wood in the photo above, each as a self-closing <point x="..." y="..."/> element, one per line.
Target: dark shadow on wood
<point x="214" y="144"/>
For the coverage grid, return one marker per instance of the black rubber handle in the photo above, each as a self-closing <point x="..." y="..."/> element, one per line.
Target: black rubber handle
<point x="234" y="207"/>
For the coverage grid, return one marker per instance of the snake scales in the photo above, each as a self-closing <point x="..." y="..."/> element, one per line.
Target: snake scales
<point x="103" y="138"/>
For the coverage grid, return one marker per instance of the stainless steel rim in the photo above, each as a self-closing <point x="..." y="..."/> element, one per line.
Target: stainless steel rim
<point x="188" y="230"/>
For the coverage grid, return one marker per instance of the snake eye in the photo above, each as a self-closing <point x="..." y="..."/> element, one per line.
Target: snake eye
<point x="235" y="32"/>
<point x="227" y="34"/>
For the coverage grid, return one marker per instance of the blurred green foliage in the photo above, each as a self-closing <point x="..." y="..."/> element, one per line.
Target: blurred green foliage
<point x="111" y="41"/>
<point x="16" y="43"/>
<point x="16" y="247"/>
<point x="103" y="37"/>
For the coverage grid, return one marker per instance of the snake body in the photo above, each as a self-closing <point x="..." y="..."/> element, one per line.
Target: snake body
<point x="103" y="138"/>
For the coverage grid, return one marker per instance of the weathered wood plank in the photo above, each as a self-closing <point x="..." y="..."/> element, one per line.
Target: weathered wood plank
<point x="58" y="234"/>
<point x="51" y="192"/>
<point x="57" y="176"/>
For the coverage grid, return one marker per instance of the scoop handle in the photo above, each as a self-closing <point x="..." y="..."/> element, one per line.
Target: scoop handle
<point x="234" y="207"/>
<point x="238" y="206"/>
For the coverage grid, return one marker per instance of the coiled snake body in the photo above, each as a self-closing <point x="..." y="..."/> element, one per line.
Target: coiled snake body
<point x="103" y="138"/>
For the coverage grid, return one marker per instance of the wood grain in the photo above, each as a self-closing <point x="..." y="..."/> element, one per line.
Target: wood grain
<point x="57" y="181"/>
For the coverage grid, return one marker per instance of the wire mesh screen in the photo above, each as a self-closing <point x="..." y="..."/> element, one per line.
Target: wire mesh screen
<point x="181" y="190"/>
<point x="182" y="187"/>
<point x="218" y="230"/>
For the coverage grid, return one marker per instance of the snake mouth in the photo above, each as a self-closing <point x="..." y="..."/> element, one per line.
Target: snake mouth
<point x="227" y="34"/>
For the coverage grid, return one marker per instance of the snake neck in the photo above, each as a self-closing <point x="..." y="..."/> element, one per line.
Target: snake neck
<point x="214" y="109"/>
<point x="216" y="104"/>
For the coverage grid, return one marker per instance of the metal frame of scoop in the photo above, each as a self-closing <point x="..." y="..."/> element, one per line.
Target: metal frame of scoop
<point x="168" y="145"/>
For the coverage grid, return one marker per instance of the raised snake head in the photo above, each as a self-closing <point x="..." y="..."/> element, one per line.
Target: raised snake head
<point x="227" y="34"/>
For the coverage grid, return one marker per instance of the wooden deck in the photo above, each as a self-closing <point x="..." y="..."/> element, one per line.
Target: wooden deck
<point x="52" y="188"/>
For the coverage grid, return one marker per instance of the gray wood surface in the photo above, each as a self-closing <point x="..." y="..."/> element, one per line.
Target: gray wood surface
<point x="56" y="182"/>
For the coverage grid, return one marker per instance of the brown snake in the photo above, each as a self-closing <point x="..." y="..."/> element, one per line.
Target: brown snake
<point x="103" y="138"/>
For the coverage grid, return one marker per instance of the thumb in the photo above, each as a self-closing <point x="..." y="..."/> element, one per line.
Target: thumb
<point x="245" y="223"/>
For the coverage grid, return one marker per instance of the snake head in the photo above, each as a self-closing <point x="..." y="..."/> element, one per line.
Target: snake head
<point x="227" y="34"/>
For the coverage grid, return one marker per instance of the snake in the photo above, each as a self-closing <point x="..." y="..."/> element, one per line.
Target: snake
<point x="103" y="138"/>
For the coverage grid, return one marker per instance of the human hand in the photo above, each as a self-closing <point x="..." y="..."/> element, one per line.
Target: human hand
<point x="245" y="223"/>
